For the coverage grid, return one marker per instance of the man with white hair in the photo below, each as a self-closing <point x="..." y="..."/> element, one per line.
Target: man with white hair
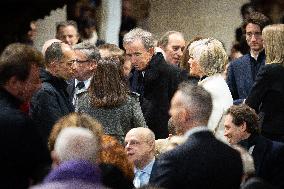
<point x="74" y="160"/>
<point x="140" y="149"/>
<point x="152" y="78"/>
<point x="75" y="143"/>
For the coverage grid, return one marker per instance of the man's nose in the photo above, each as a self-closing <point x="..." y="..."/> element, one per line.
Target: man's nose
<point x="180" y="53"/>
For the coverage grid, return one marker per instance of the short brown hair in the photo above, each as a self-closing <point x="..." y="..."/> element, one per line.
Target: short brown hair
<point x="256" y="18"/>
<point x="243" y="113"/>
<point x="164" y="40"/>
<point x="17" y="60"/>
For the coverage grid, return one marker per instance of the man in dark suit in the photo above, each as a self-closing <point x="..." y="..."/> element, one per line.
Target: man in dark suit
<point x="242" y="72"/>
<point x="202" y="162"/>
<point x="152" y="78"/>
<point x="23" y="155"/>
<point x="88" y="56"/>
<point x="241" y="126"/>
<point x="52" y="101"/>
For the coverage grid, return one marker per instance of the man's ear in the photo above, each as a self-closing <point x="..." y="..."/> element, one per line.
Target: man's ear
<point x="243" y="127"/>
<point x="55" y="159"/>
<point x="151" y="50"/>
<point x="93" y="66"/>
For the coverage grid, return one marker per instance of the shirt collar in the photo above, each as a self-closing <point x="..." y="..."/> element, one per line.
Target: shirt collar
<point x="86" y="82"/>
<point x="147" y="169"/>
<point x="195" y="130"/>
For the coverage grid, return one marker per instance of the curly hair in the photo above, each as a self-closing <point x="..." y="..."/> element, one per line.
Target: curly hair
<point x="256" y="18"/>
<point x="273" y="36"/>
<point x="75" y="120"/>
<point x="243" y="113"/>
<point x="108" y="88"/>
<point x="114" y="153"/>
<point x="210" y="55"/>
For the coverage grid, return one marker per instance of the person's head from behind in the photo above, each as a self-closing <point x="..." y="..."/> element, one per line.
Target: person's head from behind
<point x="273" y="36"/>
<point x="19" y="70"/>
<point x="47" y="44"/>
<point x="75" y="143"/>
<point x="240" y="122"/>
<point x="252" y="28"/>
<point x="140" y="146"/>
<point x="207" y="57"/>
<point x="108" y="88"/>
<point x="59" y="59"/>
<point x="185" y="55"/>
<point x="67" y="31"/>
<point x="172" y="43"/>
<point x="139" y="48"/>
<point x="88" y="56"/>
<point x="75" y="120"/>
<point x="191" y="106"/>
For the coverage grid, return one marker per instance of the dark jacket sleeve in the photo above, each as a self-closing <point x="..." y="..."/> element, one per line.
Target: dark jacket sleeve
<point x="259" y="89"/>
<point x="45" y="111"/>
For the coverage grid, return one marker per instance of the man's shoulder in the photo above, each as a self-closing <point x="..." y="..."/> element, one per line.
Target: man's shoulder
<point x="244" y="59"/>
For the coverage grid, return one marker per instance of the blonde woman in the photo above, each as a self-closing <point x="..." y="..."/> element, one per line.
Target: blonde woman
<point x="207" y="61"/>
<point x="267" y="94"/>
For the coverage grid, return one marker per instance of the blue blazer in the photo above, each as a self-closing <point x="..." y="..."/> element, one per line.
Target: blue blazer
<point x="241" y="76"/>
<point x="202" y="162"/>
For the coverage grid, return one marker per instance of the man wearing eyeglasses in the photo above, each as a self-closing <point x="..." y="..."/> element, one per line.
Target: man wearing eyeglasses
<point x="242" y="72"/>
<point x="52" y="101"/>
<point x="84" y="65"/>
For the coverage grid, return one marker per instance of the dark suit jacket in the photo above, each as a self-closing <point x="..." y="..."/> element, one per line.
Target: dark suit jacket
<point x="267" y="98"/>
<point x="50" y="103"/>
<point x="268" y="159"/>
<point x="202" y="162"/>
<point x="241" y="75"/>
<point x="23" y="155"/>
<point x="156" y="90"/>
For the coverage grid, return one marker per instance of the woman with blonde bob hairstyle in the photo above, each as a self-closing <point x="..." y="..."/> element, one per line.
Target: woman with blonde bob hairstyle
<point x="207" y="61"/>
<point x="267" y="93"/>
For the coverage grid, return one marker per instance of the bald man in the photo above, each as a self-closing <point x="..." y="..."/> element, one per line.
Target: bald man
<point x="140" y="149"/>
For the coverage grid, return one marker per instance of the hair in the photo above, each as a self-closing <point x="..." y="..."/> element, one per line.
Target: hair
<point x="75" y="120"/>
<point x="185" y="56"/>
<point x="210" y="55"/>
<point x="196" y="100"/>
<point x="112" y="49"/>
<point x="108" y="88"/>
<point x="243" y="113"/>
<point x="273" y="36"/>
<point x="114" y="153"/>
<point x="65" y="24"/>
<point x="76" y="143"/>
<point x="86" y="23"/>
<point x="164" y="40"/>
<point x="247" y="161"/>
<point x="17" y="60"/>
<point x="256" y="18"/>
<point x="90" y="50"/>
<point x="247" y="8"/>
<point x="53" y="53"/>
<point x="139" y="34"/>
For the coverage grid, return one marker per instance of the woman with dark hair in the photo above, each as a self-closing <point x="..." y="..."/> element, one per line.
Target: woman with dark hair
<point x="110" y="101"/>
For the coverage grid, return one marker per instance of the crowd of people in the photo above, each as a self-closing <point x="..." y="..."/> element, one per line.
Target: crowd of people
<point x="160" y="113"/>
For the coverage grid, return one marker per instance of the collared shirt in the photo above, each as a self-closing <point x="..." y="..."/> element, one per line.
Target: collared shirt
<point x="142" y="177"/>
<point x="196" y="130"/>
<point x="79" y="91"/>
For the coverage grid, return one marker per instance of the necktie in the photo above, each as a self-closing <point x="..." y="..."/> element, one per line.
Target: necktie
<point x="80" y="85"/>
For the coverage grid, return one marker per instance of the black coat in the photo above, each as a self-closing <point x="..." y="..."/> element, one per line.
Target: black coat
<point x="268" y="159"/>
<point x="267" y="98"/>
<point x="23" y="155"/>
<point x="156" y="89"/>
<point x="202" y="162"/>
<point x="50" y="103"/>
